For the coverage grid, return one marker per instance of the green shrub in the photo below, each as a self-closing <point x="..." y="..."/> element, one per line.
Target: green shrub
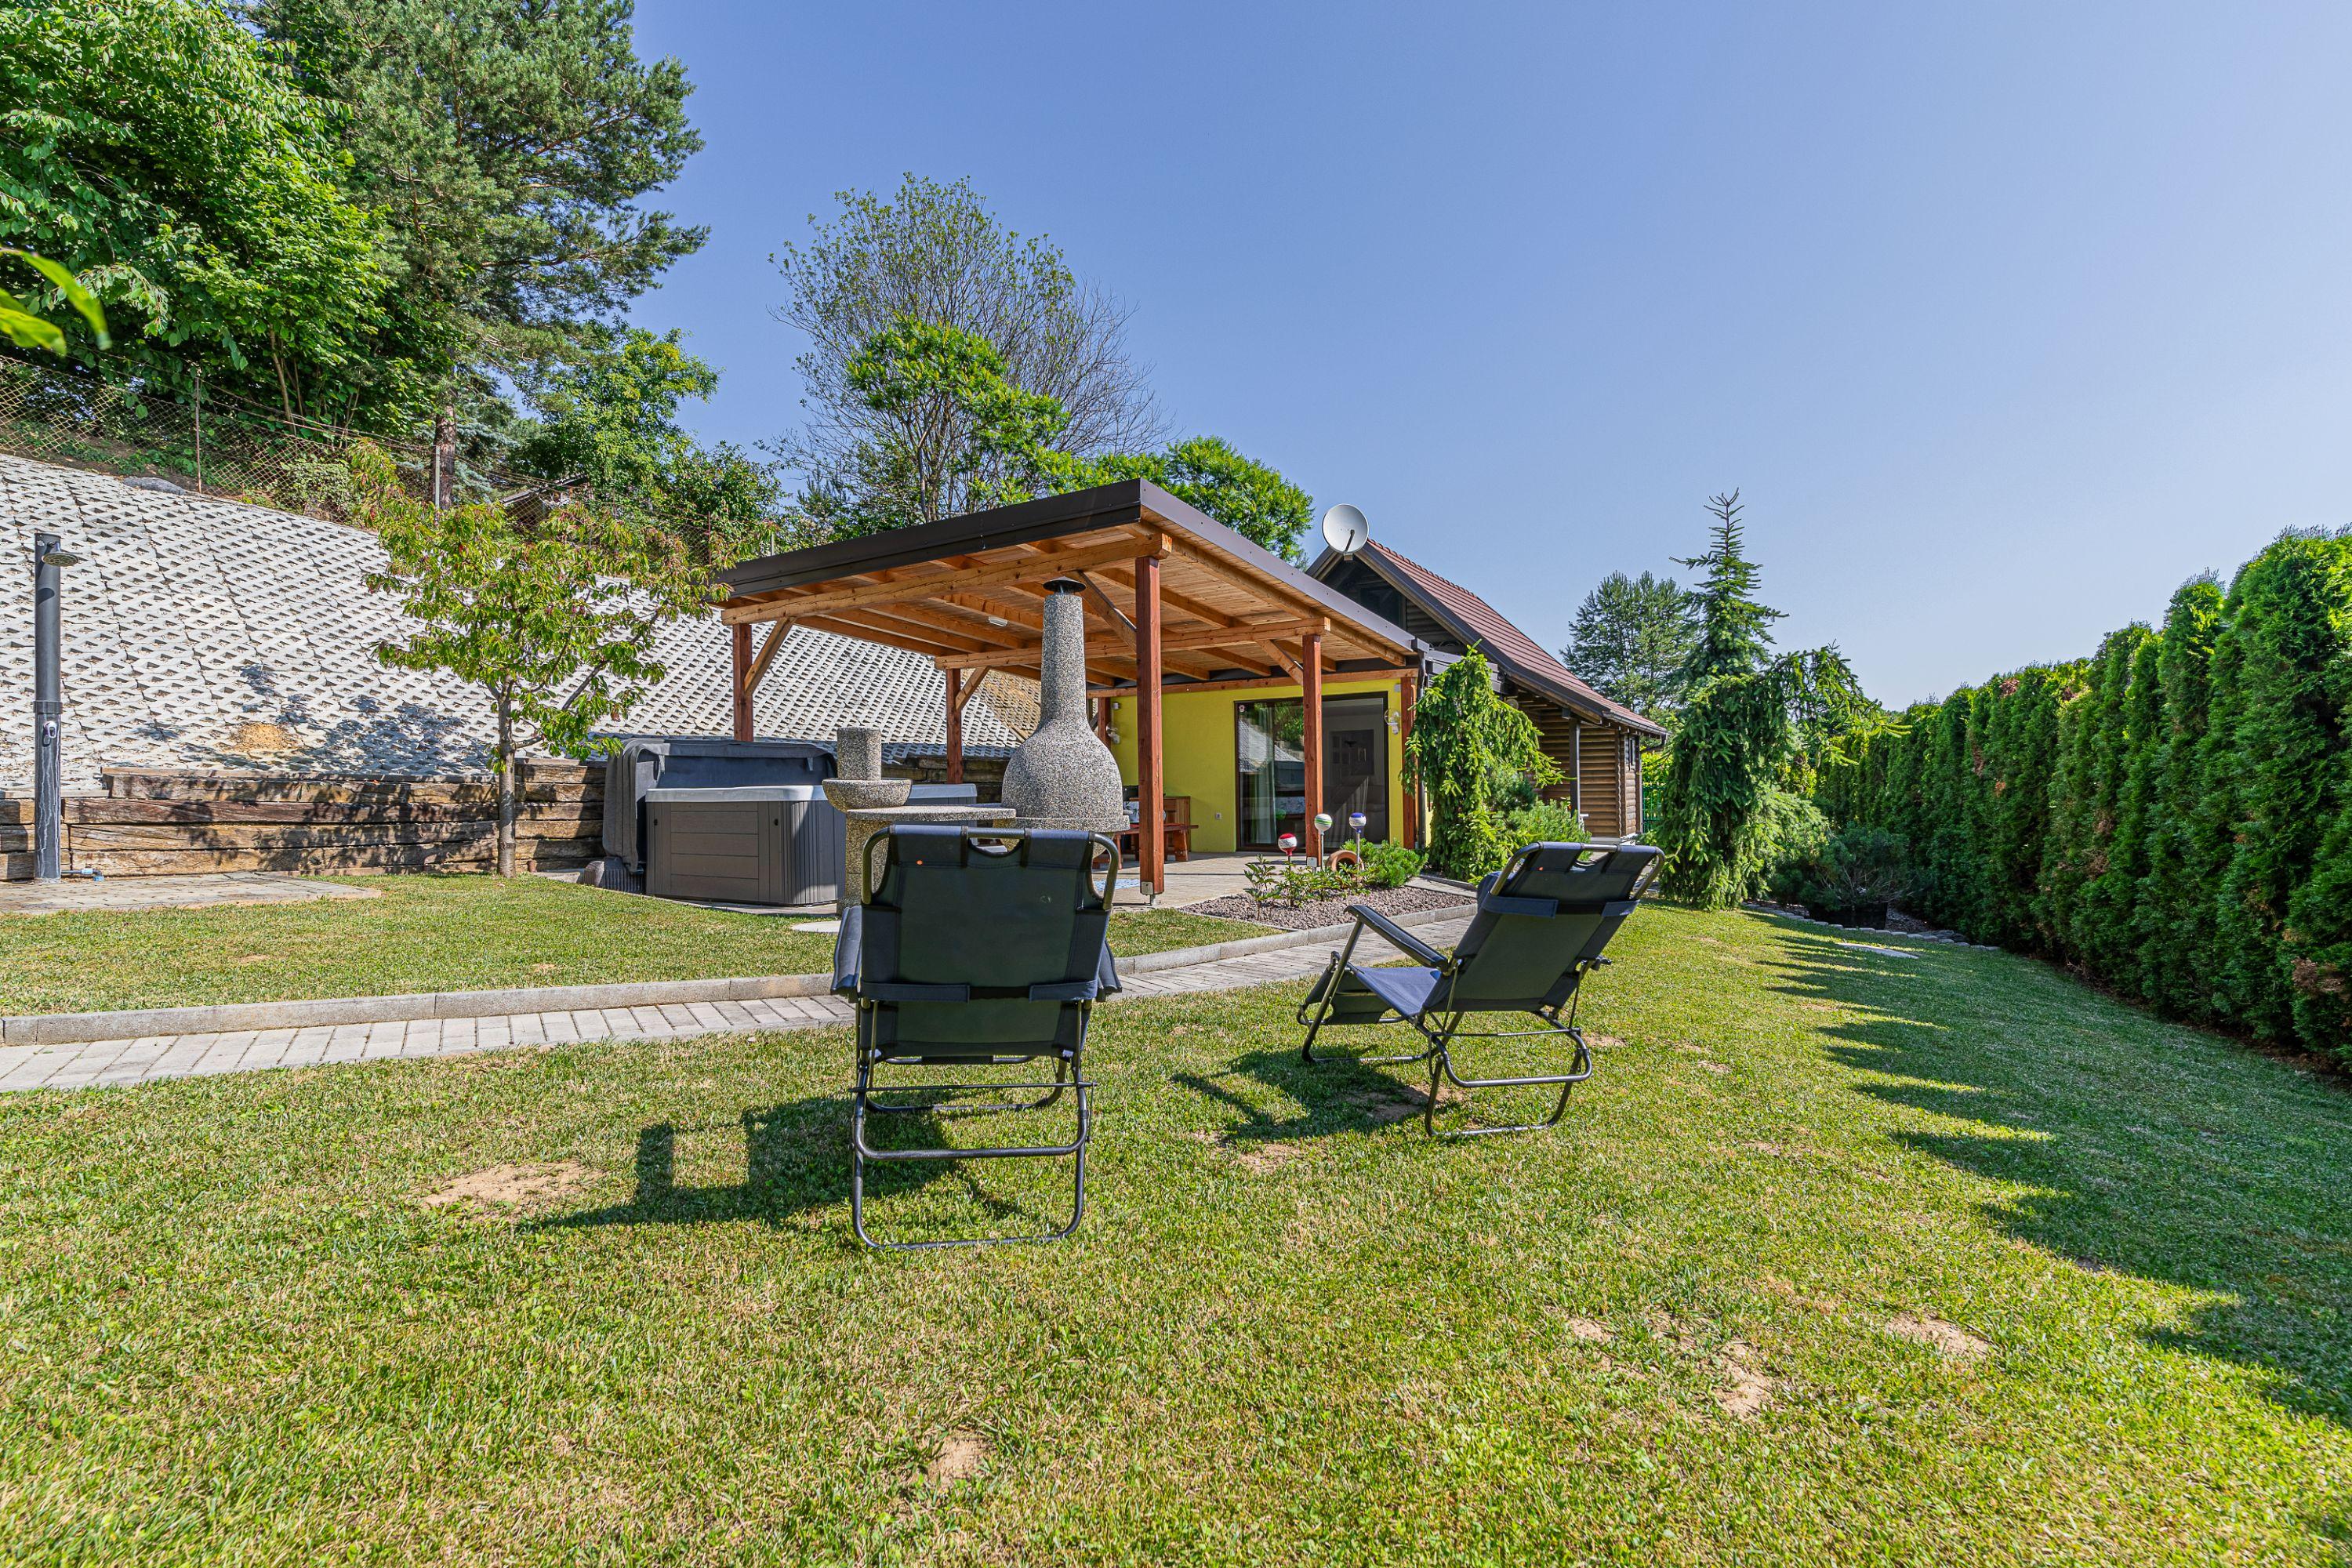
<point x="1861" y="865"/>
<point x="2289" y="615"/>
<point x="1543" y="822"/>
<point x="1468" y="751"/>
<point x="2175" y="815"/>
<point x="1295" y="882"/>
<point x="2175" y="916"/>
<point x="1388" y="865"/>
<point x="1795" y="835"/>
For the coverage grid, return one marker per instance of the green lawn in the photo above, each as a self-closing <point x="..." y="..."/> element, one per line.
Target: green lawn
<point x="1841" y="1257"/>
<point x="432" y="933"/>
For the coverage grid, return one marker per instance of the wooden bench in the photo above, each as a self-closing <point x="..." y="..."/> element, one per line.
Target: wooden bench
<point x="1177" y="828"/>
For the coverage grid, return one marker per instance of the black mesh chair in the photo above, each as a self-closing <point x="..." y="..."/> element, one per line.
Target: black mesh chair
<point x="1541" y="924"/>
<point x="975" y="948"/>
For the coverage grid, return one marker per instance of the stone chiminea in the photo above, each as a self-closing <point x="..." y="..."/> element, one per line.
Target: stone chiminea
<point x="1063" y="776"/>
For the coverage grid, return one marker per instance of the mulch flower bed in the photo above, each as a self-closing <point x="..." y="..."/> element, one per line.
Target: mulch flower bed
<point x="1402" y="901"/>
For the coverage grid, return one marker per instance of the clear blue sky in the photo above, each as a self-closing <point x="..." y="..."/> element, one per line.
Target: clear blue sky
<point x="2005" y="318"/>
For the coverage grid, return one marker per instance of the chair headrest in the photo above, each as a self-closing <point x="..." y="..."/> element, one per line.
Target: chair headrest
<point x="1577" y="874"/>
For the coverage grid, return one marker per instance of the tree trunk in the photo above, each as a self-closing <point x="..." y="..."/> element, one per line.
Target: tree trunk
<point x="505" y="766"/>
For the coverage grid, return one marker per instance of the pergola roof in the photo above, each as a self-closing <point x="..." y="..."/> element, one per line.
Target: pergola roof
<point x="966" y="591"/>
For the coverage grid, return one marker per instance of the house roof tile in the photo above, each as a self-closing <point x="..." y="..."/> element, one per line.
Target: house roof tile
<point x="1476" y="621"/>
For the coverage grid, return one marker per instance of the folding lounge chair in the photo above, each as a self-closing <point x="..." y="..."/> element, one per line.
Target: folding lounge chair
<point x="1541" y="922"/>
<point x="975" y="948"/>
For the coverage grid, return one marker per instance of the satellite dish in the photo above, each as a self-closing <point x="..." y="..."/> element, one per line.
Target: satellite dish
<point x="1345" y="530"/>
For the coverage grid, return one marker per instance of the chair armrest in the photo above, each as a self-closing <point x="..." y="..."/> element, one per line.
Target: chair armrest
<point x="1400" y="938"/>
<point x="848" y="949"/>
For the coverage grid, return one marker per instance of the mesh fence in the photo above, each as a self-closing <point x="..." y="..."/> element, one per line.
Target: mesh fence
<point x="214" y="445"/>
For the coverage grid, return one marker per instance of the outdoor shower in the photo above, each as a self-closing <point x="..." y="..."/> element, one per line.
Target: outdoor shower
<point x="50" y="561"/>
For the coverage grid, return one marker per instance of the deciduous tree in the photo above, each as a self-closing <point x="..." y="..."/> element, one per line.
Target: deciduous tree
<point x="934" y="253"/>
<point x="554" y="622"/>
<point x="155" y="150"/>
<point x="609" y="417"/>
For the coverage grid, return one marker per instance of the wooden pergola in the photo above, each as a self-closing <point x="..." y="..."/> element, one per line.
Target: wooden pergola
<point x="1173" y="602"/>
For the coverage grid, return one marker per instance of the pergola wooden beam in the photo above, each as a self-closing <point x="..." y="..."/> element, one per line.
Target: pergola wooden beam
<point x="1254" y="683"/>
<point x="914" y="589"/>
<point x="1170" y="599"/>
<point x="1111" y="612"/>
<point x="1217" y="567"/>
<point x="1221" y="639"/>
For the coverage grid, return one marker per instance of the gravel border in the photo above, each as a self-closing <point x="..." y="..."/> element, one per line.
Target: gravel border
<point x="1320" y="912"/>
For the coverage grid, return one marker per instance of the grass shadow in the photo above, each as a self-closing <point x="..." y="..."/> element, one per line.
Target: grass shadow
<point x="1341" y="1092"/>
<point x="795" y="1161"/>
<point x="2130" y="1145"/>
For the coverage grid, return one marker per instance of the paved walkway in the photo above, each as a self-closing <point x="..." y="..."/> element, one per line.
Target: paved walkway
<point x="98" y="1063"/>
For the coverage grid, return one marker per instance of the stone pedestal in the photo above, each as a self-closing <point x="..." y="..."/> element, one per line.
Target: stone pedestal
<point x="864" y="822"/>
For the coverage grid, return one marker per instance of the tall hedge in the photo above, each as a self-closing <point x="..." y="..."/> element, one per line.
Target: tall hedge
<point x="2173" y="816"/>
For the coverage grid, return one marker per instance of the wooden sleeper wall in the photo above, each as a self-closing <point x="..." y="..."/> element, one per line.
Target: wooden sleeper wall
<point x="152" y="823"/>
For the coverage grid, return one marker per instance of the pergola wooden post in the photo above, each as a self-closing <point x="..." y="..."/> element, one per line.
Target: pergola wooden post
<point x="1408" y="698"/>
<point x="954" y="677"/>
<point x="1310" y="693"/>
<point x="741" y="684"/>
<point x="1150" y="775"/>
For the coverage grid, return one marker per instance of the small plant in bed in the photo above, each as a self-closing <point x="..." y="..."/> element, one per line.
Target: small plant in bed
<point x="1300" y="894"/>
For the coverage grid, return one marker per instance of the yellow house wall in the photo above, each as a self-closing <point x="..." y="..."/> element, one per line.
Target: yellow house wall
<point x="1196" y="751"/>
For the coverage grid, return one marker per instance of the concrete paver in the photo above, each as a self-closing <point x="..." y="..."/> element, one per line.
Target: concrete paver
<point x="153" y="1057"/>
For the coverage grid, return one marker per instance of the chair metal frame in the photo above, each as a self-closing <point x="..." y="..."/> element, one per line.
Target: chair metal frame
<point x="1444" y="1028"/>
<point x="867" y="1096"/>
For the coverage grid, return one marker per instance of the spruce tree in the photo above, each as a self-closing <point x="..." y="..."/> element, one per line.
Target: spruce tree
<point x="1739" y="731"/>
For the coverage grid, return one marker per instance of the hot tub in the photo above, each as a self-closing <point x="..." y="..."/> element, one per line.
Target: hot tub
<point x="754" y="844"/>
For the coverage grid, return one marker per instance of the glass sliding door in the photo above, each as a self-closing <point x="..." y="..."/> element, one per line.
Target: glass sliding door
<point x="1356" y="764"/>
<point x="1270" y="785"/>
<point x="1270" y="753"/>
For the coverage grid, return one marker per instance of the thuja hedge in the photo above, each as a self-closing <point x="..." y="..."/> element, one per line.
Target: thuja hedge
<point x="2172" y="814"/>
